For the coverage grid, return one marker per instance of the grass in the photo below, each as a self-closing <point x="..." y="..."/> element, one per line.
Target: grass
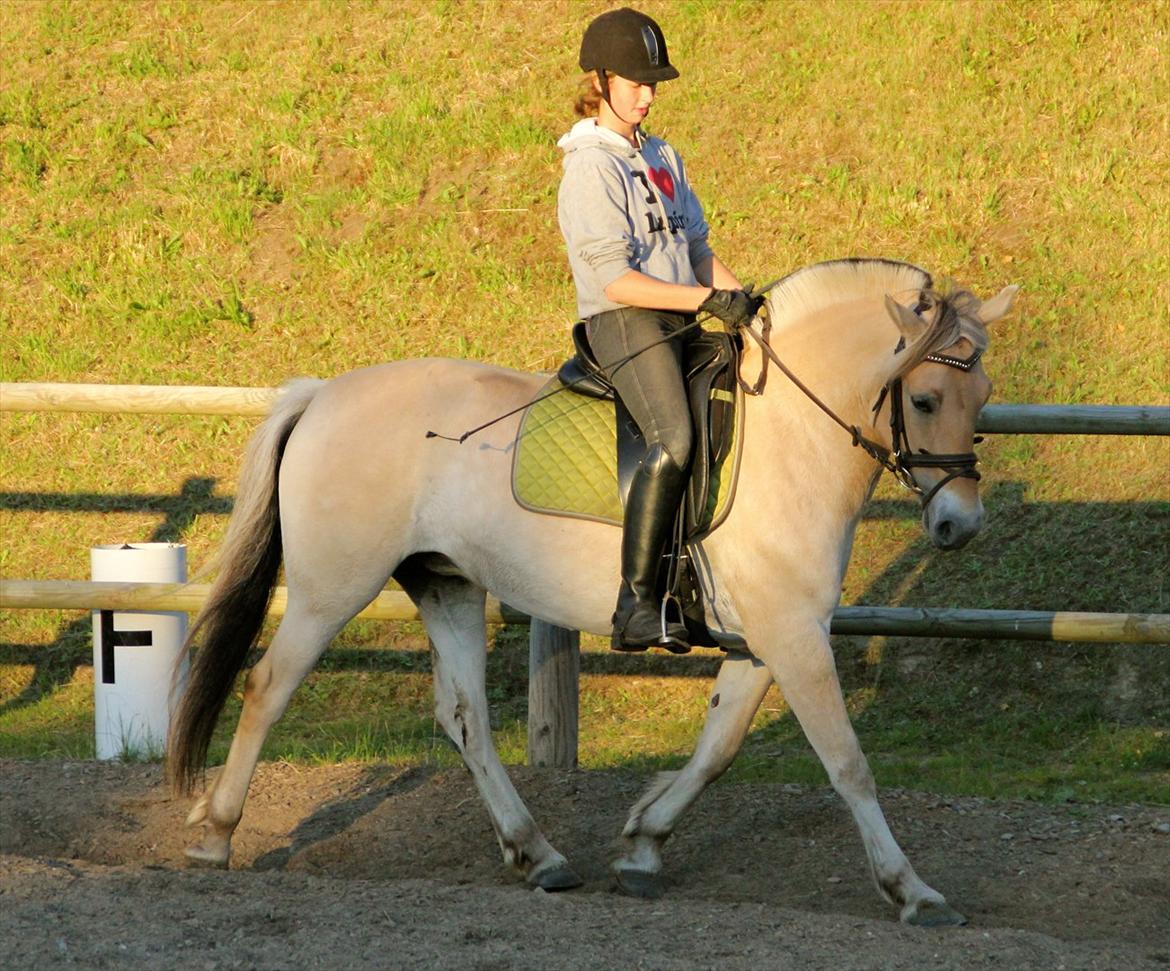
<point x="237" y="193"/>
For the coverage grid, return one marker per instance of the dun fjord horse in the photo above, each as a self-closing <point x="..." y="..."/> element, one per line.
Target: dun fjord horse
<point x="342" y="483"/>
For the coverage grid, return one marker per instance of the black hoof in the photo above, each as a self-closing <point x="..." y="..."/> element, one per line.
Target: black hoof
<point x="562" y="877"/>
<point x="930" y="914"/>
<point x="639" y="883"/>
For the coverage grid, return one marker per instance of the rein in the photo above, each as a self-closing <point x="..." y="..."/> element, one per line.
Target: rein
<point x="957" y="465"/>
<point x="609" y="368"/>
<point x="459" y="440"/>
<point x="960" y="464"/>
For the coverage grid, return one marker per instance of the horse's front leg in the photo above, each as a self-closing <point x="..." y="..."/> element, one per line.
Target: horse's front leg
<point x="739" y="688"/>
<point x="800" y="658"/>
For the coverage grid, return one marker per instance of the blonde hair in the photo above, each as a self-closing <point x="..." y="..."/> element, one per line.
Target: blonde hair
<point x="588" y="103"/>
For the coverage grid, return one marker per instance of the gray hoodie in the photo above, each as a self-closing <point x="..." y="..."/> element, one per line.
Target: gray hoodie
<point x="622" y="208"/>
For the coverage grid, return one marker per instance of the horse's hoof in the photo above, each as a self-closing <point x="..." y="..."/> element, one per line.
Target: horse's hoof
<point x="639" y="883"/>
<point x="200" y="856"/>
<point x="929" y="913"/>
<point x="559" y="877"/>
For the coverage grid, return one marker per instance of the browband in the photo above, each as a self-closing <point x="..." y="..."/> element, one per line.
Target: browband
<point x="963" y="364"/>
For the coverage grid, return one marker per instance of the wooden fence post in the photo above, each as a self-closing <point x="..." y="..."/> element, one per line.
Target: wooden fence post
<point x="554" y="668"/>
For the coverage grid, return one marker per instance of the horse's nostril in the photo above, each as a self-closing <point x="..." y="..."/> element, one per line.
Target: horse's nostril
<point x="952" y="534"/>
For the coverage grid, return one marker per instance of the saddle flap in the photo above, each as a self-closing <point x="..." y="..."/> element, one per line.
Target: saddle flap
<point x="711" y="390"/>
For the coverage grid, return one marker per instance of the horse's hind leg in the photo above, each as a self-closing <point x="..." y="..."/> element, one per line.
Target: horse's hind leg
<point x="298" y="643"/>
<point x="739" y="688"/>
<point x="801" y="659"/>
<point x="452" y="608"/>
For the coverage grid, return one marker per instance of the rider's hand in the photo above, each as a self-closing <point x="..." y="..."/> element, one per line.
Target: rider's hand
<point x="735" y="308"/>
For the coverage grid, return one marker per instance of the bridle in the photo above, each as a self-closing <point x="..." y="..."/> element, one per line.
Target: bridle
<point x="902" y="459"/>
<point x="957" y="465"/>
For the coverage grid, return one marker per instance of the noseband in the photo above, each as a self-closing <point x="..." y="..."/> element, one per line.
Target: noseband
<point x="960" y="465"/>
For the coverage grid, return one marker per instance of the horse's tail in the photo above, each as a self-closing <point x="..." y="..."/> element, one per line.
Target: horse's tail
<point x="227" y="627"/>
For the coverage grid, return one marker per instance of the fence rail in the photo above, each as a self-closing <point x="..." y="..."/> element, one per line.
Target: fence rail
<point x="1027" y="625"/>
<point x="194" y="400"/>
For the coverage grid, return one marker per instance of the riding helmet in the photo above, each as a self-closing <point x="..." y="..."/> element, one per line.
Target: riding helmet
<point x="629" y="44"/>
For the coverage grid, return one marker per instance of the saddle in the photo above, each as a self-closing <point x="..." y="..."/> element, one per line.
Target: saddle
<point x="710" y="368"/>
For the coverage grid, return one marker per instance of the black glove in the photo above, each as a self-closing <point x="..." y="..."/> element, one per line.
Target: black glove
<point x="735" y="308"/>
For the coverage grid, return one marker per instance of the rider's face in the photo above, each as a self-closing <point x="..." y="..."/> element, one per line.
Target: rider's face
<point x="628" y="105"/>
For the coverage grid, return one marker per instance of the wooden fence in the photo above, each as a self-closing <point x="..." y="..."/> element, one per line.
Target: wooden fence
<point x="1018" y="625"/>
<point x="191" y="400"/>
<point x="554" y="653"/>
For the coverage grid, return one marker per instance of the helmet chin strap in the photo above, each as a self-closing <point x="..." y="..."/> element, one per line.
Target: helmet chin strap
<point x="603" y="84"/>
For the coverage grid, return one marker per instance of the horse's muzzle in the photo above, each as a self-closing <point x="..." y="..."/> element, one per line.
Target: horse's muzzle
<point x="951" y="524"/>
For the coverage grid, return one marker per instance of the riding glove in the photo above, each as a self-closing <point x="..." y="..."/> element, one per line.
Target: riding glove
<point x="735" y="308"/>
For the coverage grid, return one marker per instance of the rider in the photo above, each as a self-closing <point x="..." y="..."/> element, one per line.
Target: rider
<point x="642" y="267"/>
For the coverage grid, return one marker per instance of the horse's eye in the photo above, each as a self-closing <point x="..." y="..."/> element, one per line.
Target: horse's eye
<point x="923" y="403"/>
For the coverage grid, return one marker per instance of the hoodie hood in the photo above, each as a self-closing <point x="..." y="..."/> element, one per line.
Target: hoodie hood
<point x="588" y="134"/>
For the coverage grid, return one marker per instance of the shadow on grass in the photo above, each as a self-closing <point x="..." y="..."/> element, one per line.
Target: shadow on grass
<point x="55" y="664"/>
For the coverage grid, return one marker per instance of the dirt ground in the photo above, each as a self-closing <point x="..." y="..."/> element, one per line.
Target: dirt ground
<point x="342" y="867"/>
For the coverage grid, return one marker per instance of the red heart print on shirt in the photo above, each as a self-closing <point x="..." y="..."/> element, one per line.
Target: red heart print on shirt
<point x="662" y="179"/>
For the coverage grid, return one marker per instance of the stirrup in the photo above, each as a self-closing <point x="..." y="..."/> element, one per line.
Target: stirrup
<point x="673" y="644"/>
<point x="653" y="632"/>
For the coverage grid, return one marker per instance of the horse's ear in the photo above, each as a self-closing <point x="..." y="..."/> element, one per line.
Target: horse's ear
<point x="997" y="306"/>
<point x="909" y="323"/>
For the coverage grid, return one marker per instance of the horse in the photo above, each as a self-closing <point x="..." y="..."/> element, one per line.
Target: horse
<point x="342" y="484"/>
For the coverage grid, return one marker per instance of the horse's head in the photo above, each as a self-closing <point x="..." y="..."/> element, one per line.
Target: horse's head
<point x="935" y="395"/>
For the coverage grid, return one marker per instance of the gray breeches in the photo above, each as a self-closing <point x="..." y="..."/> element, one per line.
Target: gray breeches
<point x="651" y="384"/>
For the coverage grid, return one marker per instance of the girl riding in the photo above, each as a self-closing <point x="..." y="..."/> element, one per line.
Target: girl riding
<point x="642" y="267"/>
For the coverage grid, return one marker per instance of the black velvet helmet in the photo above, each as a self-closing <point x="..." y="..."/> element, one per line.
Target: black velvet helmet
<point x="629" y="44"/>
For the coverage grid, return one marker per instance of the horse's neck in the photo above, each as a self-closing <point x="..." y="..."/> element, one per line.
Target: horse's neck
<point x="842" y="358"/>
<point x="842" y="355"/>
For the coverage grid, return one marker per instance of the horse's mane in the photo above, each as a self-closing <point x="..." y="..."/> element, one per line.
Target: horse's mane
<point x="823" y="285"/>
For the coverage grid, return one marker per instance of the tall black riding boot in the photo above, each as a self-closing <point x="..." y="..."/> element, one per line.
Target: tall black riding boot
<point x="655" y="494"/>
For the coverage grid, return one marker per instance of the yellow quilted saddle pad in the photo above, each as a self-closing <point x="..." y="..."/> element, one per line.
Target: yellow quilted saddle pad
<point x="565" y="460"/>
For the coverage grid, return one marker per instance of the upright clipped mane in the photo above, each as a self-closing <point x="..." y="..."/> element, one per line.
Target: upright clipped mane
<point x="824" y="284"/>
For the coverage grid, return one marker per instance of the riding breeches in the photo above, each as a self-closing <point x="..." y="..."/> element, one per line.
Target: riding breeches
<point x="651" y="383"/>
